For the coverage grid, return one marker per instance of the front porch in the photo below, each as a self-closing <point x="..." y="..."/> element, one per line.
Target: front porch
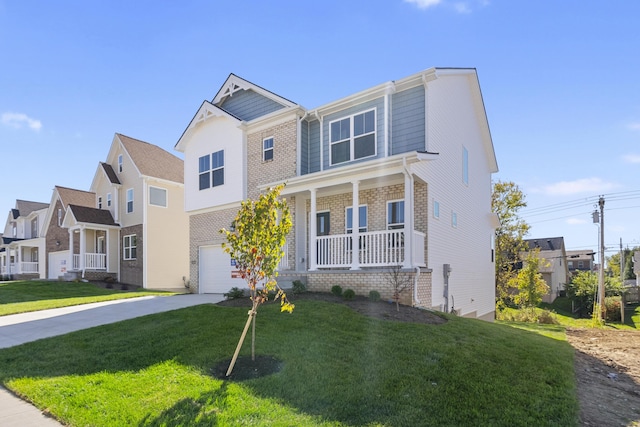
<point x="20" y="259"/>
<point x="375" y="249"/>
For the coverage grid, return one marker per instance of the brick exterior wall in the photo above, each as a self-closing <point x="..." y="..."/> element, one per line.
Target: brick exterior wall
<point x="284" y="163"/>
<point x="131" y="271"/>
<point x="55" y="233"/>
<point x="366" y="280"/>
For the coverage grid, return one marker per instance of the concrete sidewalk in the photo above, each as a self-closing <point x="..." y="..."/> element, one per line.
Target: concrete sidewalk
<point x="22" y="328"/>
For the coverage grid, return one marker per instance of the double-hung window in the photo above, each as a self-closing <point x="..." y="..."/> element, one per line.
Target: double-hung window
<point x="130" y="200"/>
<point x="99" y="202"/>
<point x="129" y="247"/>
<point x="211" y="170"/>
<point x="217" y="168"/>
<point x="395" y="215"/>
<point x="362" y="212"/>
<point x="267" y="149"/>
<point x="108" y="200"/>
<point x="353" y="137"/>
<point x="120" y="163"/>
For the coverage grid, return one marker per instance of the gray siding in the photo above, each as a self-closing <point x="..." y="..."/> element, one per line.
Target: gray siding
<point x="408" y="121"/>
<point x="314" y="146"/>
<point x="248" y="105"/>
<point x="304" y="147"/>
<point x="378" y="104"/>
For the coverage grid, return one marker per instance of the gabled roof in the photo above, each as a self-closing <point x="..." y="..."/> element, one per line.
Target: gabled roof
<point x="111" y="174"/>
<point x="25" y="207"/>
<point x="206" y="111"/>
<point x="234" y="84"/>
<point x="546" y="244"/>
<point x="70" y="196"/>
<point x="153" y="161"/>
<point x="89" y="215"/>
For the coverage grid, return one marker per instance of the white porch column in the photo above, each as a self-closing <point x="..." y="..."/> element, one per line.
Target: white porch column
<point x="408" y="220"/>
<point x="355" y="229"/>
<point x="70" y="256"/>
<point x="313" y="233"/>
<point x="18" y="259"/>
<point x="83" y="248"/>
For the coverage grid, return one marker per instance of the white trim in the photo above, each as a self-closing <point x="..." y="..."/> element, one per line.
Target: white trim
<point x="404" y="208"/>
<point x="124" y="247"/>
<point x="361" y="205"/>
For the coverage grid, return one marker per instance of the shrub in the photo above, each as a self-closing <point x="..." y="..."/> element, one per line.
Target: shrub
<point x="234" y="293"/>
<point x="299" y="287"/>
<point x="336" y="290"/>
<point x="374" y="295"/>
<point x="612" y="305"/>
<point x="349" y="294"/>
<point x="547" y="317"/>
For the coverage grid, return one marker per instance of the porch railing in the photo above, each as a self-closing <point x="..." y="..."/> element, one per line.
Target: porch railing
<point x="375" y="249"/>
<point x="92" y="261"/>
<point x="28" y="267"/>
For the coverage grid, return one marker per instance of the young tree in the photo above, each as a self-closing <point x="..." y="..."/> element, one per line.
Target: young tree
<point x="583" y="287"/>
<point x="256" y="245"/>
<point x="529" y="282"/>
<point x="399" y="281"/>
<point x="506" y="200"/>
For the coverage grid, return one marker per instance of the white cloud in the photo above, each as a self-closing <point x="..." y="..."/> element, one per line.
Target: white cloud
<point x="462" y="7"/>
<point x="634" y="126"/>
<point x="18" y="120"/>
<point x="632" y="158"/>
<point x="424" y="4"/>
<point x="576" y="221"/>
<point x="585" y="185"/>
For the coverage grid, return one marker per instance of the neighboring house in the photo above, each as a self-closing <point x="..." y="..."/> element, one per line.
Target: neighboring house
<point x="61" y="262"/>
<point x="554" y="268"/>
<point x="23" y="242"/>
<point x="401" y="171"/>
<point x="580" y="260"/>
<point x="636" y="266"/>
<point x="137" y="229"/>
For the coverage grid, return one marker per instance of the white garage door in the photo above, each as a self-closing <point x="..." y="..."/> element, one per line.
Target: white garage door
<point x="57" y="264"/>
<point x="215" y="271"/>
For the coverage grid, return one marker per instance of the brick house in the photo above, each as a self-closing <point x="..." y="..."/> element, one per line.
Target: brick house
<point x="408" y="161"/>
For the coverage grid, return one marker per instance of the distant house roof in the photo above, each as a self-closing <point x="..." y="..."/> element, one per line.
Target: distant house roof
<point x="111" y="174"/>
<point x="70" y="196"/>
<point x="92" y="215"/>
<point x="581" y="255"/>
<point x="25" y="207"/>
<point x="152" y="160"/>
<point x="546" y="244"/>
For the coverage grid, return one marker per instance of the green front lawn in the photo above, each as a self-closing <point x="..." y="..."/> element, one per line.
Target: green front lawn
<point x="339" y="368"/>
<point x="24" y="296"/>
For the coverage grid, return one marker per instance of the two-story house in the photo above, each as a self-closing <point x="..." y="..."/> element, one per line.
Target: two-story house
<point x="554" y="267"/>
<point x="23" y="241"/>
<point x="137" y="229"/>
<point x="395" y="175"/>
<point x="58" y="239"/>
<point x="580" y="260"/>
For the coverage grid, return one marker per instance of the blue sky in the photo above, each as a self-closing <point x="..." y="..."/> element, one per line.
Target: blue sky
<point x="559" y="80"/>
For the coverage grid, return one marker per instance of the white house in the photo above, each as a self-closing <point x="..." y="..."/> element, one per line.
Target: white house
<point x="409" y="161"/>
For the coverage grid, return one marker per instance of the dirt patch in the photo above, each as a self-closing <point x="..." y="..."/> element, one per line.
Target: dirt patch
<point x="376" y="309"/>
<point x="246" y="369"/>
<point x="607" y="367"/>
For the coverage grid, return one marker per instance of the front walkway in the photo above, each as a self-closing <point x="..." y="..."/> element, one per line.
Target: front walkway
<point x="21" y="328"/>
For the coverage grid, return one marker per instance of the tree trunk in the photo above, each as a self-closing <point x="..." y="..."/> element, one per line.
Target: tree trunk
<point x="253" y="337"/>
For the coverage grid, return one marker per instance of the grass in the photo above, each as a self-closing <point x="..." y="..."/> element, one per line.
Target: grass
<point x="339" y="368"/>
<point x="25" y="296"/>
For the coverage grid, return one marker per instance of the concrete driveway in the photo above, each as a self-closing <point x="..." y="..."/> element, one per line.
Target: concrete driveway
<point x="21" y="328"/>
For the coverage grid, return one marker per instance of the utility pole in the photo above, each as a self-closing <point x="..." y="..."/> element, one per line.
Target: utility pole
<point x="622" y="263"/>
<point x="601" y="281"/>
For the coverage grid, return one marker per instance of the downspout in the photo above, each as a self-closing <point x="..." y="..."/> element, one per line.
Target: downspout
<point x="415" y="286"/>
<point x="299" y="143"/>
<point x="408" y="192"/>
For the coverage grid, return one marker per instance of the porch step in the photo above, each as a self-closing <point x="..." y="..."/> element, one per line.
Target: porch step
<point x="71" y="276"/>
